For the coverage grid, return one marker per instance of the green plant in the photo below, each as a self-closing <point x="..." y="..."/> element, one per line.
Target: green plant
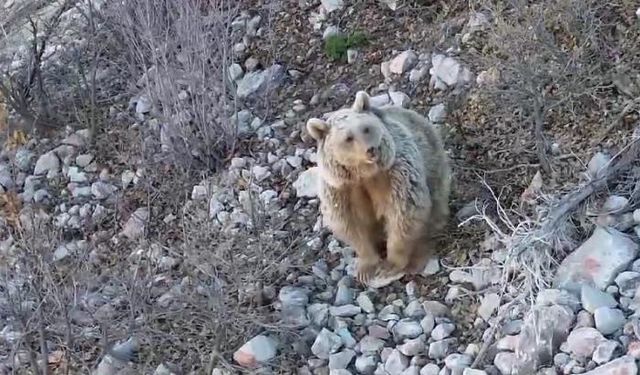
<point x="336" y="46"/>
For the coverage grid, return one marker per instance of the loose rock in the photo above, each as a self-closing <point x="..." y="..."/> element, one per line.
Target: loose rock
<point x="584" y="341"/>
<point x="258" y="350"/>
<point x="608" y="320"/>
<point x="598" y="260"/>
<point x="593" y="298"/>
<point x="326" y="343"/>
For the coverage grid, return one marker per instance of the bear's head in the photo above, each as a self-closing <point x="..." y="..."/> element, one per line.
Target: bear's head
<point x="354" y="142"/>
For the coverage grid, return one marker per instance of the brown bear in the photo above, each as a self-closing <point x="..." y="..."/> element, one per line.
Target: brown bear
<point x="385" y="181"/>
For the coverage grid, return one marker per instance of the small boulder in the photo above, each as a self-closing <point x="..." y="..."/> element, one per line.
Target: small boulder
<point x="598" y="260"/>
<point x="403" y="62"/>
<point x="308" y="183"/>
<point x="260" y="349"/>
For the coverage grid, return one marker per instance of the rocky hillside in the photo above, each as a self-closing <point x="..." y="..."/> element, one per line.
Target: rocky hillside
<point x="119" y="255"/>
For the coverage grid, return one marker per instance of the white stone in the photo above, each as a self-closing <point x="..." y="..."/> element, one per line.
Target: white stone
<point x="432" y="267"/>
<point x="47" y="163"/>
<point x="604" y="351"/>
<point x="593" y="298"/>
<point x="505" y="362"/>
<point x="331" y="5"/>
<point x="403" y="62"/>
<point x="260" y="349"/>
<point x="235" y="72"/>
<point x="143" y="104"/>
<point x="102" y="190"/>
<point x="608" y="320"/>
<point x="341" y="359"/>
<point x="583" y="341"/>
<point x="598" y="164"/>
<point x="438" y="113"/>
<point x="326" y="343"/>
<point x="489" y="303"/>
<point x="406" y="329"/>
<point x="396" y="363"/>
<point x="134" y="227"/>
<point x="308" y="183"/>
<point x="447" y="70"/>
<point x="442" y="331"/>
<point x="614" y="203"/>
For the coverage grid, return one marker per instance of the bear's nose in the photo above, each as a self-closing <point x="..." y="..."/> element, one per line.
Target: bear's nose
<point x="371" y="151"/>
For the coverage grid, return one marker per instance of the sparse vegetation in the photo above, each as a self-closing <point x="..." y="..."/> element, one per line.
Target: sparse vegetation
<point x="336" y="46"/>
<point x="134" y="106"/>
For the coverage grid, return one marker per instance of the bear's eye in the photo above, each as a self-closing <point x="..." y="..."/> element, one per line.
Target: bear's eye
<point x="349" y="139"/>
<point x="366" y="130"/>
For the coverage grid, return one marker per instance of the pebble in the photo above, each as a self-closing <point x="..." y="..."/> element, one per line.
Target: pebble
<point x="430" y="369"/>
<point x="326" y="343"/>
<point x="414" y="310"/>
<point x="506" y="362"/>
<point x="341" y="360"/>
<point x="412" y="347"/>
<point x="608" y="320"/>
<point x="403" y="62"/>
<point x="628" y="282"/>
<point x="344" y="295"/>
<point x="135" y="225"/>
<point x="344" y="310"/>
<point x="457" y="362"/>
<point x="489" y="303"/>
<point x="440" y="349"/>
<point x="442" y="331"/>
<point x="438" y="113"/>
<point x="293" y="296"/>
<point x="604" y="351"/>
<point x="593" y="298"/>
<point x="47" y="163"/>
<point x="366" y="364"/>
<point x="396" y="363"/>
<point x="370" y="345"/>
<point x="307" y="183"/>
<point x="407" y="329"/>
<point x="428" y="323"/>
<point x="583" y="341"/>
<point x="365" y="303"/>
<point x="102" y="190"/>
<point x="435" y="308"/>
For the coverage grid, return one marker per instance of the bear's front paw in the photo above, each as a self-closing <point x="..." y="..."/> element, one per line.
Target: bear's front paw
<point x="365" y="271"/>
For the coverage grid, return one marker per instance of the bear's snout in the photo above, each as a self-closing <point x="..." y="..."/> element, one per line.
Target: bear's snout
<point x="372" y="153"/>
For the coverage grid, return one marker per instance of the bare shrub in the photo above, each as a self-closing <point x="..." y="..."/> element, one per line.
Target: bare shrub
<point x="24" y="88"/>
<point x="552" y="60"/>
<point x="180" y="49"/>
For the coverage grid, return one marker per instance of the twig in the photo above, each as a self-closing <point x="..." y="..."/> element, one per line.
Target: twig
<point x="538" y="131"/>
<point x="625" y="111"/>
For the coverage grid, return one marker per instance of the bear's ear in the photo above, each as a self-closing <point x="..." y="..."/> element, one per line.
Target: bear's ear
<point x="317" y="128"/>
<point x="362" y="102"/>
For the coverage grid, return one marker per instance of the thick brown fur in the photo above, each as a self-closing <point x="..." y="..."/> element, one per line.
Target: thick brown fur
<point x="385" y="183"/>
